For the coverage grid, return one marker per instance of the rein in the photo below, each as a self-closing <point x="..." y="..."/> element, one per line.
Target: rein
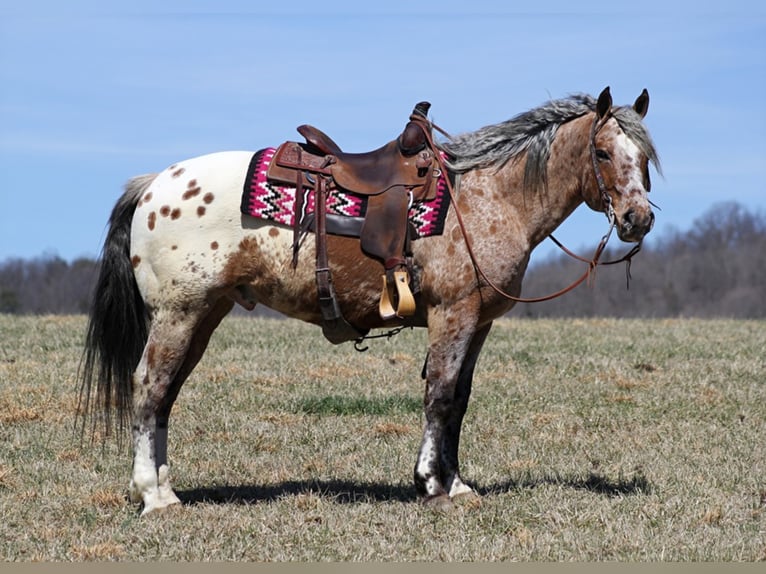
<point x="594" y="262"/>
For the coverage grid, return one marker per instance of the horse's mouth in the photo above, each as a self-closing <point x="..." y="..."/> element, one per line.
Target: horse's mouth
<point x="632" y="227"/>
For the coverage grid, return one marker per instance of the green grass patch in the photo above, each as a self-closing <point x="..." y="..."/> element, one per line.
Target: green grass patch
<point x="342" y="405"/>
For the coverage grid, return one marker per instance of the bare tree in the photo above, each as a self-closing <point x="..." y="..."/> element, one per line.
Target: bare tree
<point x="717" y="268"/>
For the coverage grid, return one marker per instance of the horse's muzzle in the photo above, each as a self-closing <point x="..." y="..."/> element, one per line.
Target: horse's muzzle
<point x="633" y="225"/>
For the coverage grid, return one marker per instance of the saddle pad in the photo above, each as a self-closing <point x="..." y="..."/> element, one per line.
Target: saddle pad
<point x="266" y="200"/>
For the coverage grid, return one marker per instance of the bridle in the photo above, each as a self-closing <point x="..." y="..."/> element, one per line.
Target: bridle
<point x="606" y="199"/>
<point x="593" y="262"/>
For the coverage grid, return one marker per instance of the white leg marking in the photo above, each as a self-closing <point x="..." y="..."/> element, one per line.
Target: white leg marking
<point x="426" y="455"/>
<point x="166" y="496"/>
<point x="149" y="484"/>
<point x="425" y="465"/>
<point x="143" y="485"/>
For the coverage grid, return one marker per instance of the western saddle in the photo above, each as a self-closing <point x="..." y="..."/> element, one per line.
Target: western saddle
<point x="392" y="177"/>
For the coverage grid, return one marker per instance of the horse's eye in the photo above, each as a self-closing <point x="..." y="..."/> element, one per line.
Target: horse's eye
<point x="603" y="155"/>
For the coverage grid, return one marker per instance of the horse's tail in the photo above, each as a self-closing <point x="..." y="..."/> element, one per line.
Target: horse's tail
<point x="117" y="325"/>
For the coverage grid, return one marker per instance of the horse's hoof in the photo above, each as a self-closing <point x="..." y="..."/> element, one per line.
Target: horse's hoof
<point x="134" y="495"/>
<point x="160" y="508"/>
<point x="468" y="499"/>
<point x="439" y="503"/>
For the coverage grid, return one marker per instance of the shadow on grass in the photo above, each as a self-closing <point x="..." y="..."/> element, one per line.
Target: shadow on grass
<point x="344" y="492"/>
<point x="347" y="492"/>
<point x="596" y="483"/>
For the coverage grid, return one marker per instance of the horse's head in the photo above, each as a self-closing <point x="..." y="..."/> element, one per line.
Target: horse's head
<point x="620" y="151"/>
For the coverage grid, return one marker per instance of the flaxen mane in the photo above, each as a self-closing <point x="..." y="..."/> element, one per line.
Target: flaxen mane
<point x="533" y="132"/>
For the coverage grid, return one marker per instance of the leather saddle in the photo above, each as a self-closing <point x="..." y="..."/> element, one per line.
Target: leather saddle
<point x="392" y="177"/>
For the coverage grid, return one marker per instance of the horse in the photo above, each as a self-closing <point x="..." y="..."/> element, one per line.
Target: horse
<point x="179" y="254"/>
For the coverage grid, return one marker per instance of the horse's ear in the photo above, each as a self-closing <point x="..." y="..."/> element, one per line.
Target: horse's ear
<point x="642" y="103"/>
<point x="604" y="103"/>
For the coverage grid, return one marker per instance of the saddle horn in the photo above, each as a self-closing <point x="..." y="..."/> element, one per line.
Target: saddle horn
<point x="421" y="109"/>
<point x="413" y="139"/>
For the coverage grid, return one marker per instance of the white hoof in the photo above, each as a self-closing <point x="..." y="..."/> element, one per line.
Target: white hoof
<point x="134" y="493"/>
<point x="165" y="491"/>
<point x="156" y="504"/>
<point x="156" y="495"/>
<point x="459" y="488"/>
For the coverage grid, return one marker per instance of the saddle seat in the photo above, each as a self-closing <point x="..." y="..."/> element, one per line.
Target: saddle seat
<point x="393" y="176"/>
<point x="401" y="162"/>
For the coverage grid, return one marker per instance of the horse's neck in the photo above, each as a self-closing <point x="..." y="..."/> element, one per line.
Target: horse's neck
<point x="544" y="210"/>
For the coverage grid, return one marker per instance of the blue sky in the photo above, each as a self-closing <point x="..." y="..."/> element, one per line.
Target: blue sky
<point x="93" y="92"/>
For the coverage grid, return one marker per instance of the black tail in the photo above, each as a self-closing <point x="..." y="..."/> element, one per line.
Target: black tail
<point x="118" y="323"/>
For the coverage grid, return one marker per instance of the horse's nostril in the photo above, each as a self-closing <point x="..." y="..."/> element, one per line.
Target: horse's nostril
<point x="628" y="217"/>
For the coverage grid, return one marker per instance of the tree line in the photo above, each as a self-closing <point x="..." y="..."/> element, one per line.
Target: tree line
<point x="715" y="269"/>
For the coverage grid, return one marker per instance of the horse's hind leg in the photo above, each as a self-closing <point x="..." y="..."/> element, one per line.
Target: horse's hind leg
<point x="177" y="340"/>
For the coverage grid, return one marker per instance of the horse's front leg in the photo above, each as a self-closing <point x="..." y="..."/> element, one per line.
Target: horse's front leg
<point x="451" y="332"/>
<point x="450" y="465"/>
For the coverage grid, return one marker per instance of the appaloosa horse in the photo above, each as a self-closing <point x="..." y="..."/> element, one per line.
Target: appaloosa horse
<point x="179" y="254"/>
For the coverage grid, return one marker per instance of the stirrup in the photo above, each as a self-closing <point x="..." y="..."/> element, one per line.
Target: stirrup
<point x="404" y="298"/>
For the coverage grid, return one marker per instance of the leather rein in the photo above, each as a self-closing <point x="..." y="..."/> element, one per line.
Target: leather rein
<point x="593" y="262"/>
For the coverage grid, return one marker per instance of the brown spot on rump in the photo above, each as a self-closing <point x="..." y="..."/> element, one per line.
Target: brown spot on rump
<point x="208" y="198"/>
<point x="173" y="247"/>
<point x="179" y="172"/>
<point x="135" y="260"/>
<point x="175" y="214"/>
<point x="146" y="198"/>
<point x="152" y="220"/>
<point x="214" y="245"/>
<point x="165" y="210"/>
<point x="274" y="232"/>
<point x="193" y="189"/>
<point x="200" y="211"/>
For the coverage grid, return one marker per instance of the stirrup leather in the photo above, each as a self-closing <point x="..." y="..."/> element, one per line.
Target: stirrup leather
<point x="399" y="293"/>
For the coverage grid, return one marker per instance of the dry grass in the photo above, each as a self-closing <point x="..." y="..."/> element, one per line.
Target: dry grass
<point x="589" y="440"/>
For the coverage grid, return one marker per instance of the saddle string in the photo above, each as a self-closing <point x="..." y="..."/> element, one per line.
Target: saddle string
<point x="387" y="335"/>
<point x="592" y="263"/>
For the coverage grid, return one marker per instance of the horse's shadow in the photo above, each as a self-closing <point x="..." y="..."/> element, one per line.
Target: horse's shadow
<point x="349" y="492"/>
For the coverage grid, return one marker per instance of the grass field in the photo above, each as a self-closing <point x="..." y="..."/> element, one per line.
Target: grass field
<point x="588" y="440"/>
